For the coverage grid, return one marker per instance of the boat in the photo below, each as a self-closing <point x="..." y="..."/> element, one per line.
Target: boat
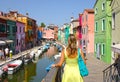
<point x="39" y="52"/>
<point x="3" y="71"/>
<point x="14" y="66"/>
<point x="48" y="68"/>
<point x="27" y="59"/>
<point x="32" y="53"/>
<point x="57" y="56"/>
<point x="35" y="59"/>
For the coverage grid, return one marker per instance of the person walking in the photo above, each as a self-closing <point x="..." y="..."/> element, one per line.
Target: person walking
<point x="69" y="55"/>
<point x="11" y="53"/>
<point x="6" y="52"/>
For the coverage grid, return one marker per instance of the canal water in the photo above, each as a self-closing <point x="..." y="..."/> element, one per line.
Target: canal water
<point x="33" y="72"/>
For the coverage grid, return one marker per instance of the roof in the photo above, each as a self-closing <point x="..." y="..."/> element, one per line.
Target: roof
<point x="2" y="17"/>
<point x="76" y="20"/>
<point x="7" y="18"/>
<point x="89" y="10"/>
<point x="95" y="3"/>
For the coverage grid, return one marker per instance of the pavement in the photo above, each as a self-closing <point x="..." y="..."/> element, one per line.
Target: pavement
<point x="3" y="62"/>
<point x="95" y="68"/>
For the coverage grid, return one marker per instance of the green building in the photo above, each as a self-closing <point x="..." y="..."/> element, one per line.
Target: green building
<point x="66" y="31"/>
<point x="102" y="37"/>
<point x="59" y="34"/>
<point x="11" y="30"/>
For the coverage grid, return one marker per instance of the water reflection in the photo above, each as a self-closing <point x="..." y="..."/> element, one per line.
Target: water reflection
<point x="33" y="72"/>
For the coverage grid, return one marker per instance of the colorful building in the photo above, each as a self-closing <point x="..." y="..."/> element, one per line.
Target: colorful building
<point x="79" y="29"/>
<point x="115" y="29"/>
<point x="11" y="33"/>
<point x="66" y="32"/>
<point x="56" y="32"/>
<point x="102" y="41"/>
<point x="48" y="33"/>
<point x="30" y="27"/>
<point x="88" y="31"/>
<point x="20" y="37"/>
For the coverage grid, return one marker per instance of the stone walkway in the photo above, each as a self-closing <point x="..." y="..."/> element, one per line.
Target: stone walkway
<point x="95" y="68"/>
<point x="18" y="55"/>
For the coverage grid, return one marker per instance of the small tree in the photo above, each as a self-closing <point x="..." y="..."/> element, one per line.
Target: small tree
<point x="42" y="24"/>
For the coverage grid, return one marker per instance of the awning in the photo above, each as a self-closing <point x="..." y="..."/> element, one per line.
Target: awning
<point x="2" y="42"/>
<point x="116" y="48"/>
<point x="9" y="41"/>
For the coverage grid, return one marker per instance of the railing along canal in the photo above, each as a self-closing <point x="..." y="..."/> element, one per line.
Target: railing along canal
<point x="54" y="75"/>
<point x="110" y="74"/>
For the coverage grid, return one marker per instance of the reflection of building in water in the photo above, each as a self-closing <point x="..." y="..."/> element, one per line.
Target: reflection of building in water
<point x="30" y="71"/>
<point x="17" y="77"/>
<point x="51" y="51"/>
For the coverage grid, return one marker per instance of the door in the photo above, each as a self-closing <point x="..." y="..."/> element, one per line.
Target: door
<point x="98" y="51"/>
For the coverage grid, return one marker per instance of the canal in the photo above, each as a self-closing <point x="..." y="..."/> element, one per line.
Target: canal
<point x="34" y="71"/>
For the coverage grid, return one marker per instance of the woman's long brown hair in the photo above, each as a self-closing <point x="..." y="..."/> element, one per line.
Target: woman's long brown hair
<point x="72" y="45"/>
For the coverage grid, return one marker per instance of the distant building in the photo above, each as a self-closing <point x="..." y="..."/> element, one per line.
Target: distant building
<point x="88" y="30"/>
<point x="30" y="27"/>
<point x="48" y="33"/>
<point x="20" y="37"/>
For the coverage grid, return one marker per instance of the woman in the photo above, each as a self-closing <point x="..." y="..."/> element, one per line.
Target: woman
<point x="70" y="56"/>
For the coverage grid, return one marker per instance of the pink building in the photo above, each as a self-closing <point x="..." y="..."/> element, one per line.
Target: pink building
<point x="88" y="30"/>
<point x="20" y="37"/>
<point x="48" y="33"/>
<point x="80" y="30"/>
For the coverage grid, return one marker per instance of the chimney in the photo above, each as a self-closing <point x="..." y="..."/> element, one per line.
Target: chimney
<point x="72" y="18"/>
<point x="1" y="13"/>
<point x="27" y="14"/>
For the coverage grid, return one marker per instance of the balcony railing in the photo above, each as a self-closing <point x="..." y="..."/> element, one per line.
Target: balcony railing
<point x="110" y="74"/>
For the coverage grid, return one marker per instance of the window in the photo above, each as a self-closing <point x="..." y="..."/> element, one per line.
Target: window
<point x="103" y="6"/>
<point x="83" y="19"/>
<point x="14" y="29"/>
<point x="96" y="9"/>
<point x="103" y="49"/>
<point x="2" y="28"/>
<point x="95" y="47"/>
<point x="17" y="42"/>
<point x="103" y="25"/>
<point x="96" y="26"/>
<point x="86" y="17"/>
<point x="83" y="42"/>
<point x="113" y="21"/>
<point x="8" y="28"/>
<point x="20" y="29"/>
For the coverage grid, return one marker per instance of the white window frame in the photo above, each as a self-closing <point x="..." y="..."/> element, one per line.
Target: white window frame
<point x="96" y="9"/>
<point x="103" y="28"/>
<point x="103" y="6"/>
<point x="103" y="48"/>
<point x="95" y="47"/>
<point x="96" y="26"/>
<point x="113" y="20"/>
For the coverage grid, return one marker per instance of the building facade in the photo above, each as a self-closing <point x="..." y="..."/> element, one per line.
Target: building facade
<point x="88" y="31"/>
<point x="115" y="29"/>
<point x="102" y="37"/>
<point x="11" y="33"/>
<point x="20" y="37"/>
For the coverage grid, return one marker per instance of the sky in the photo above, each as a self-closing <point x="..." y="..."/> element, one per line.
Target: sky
<point x="55" y="12"/>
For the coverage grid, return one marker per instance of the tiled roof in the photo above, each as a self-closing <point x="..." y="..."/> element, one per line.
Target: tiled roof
<point x="90" y="10"/>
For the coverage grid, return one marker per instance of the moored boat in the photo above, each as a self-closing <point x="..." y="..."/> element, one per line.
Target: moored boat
<point x="14" y="66"/>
